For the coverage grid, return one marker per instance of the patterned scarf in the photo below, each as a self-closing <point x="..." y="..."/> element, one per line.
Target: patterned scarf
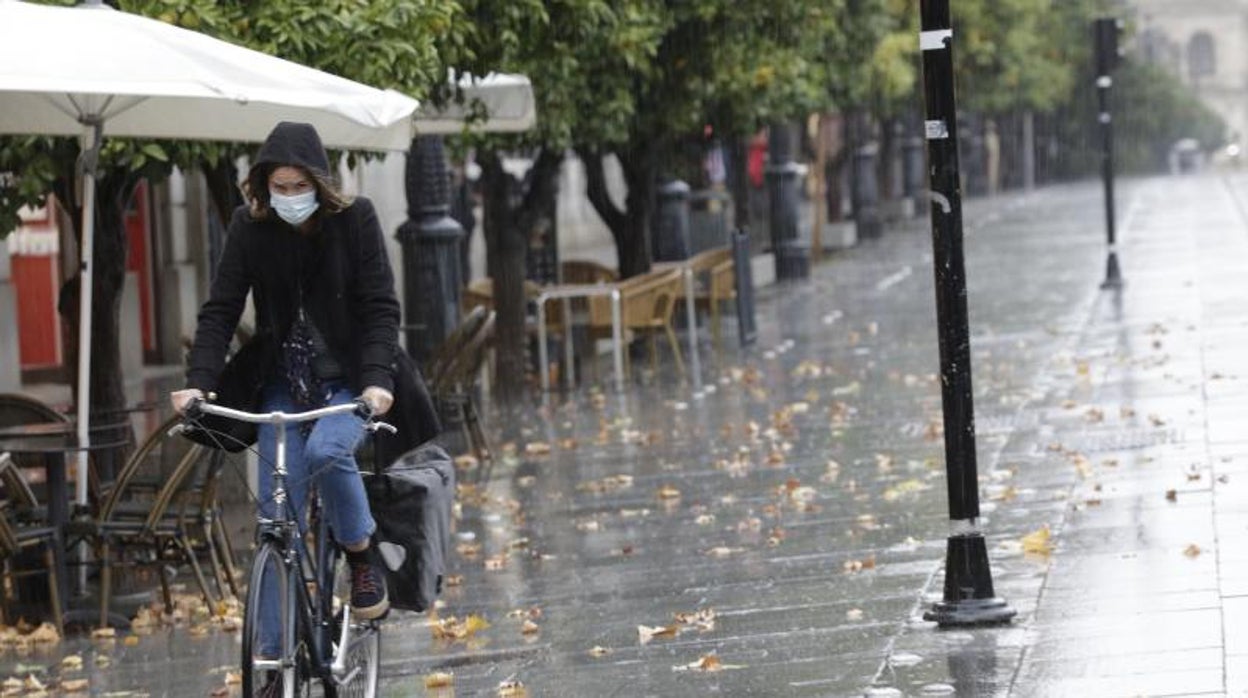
<point x="298" y="353"/>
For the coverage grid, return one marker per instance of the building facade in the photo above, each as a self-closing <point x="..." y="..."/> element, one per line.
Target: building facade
<point x="1205" y="44"/>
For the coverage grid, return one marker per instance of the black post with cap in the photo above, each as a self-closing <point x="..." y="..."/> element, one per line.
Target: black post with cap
<point x="1105" y="33"/>
<point x="430" y="240"/>
<point x="969" y="598"/>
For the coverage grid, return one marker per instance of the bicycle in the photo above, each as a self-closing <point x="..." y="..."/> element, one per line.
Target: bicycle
<point x="319" y="637"/>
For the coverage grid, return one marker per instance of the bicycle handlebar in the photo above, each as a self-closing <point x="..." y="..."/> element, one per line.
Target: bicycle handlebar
<point x="198" y="406"/>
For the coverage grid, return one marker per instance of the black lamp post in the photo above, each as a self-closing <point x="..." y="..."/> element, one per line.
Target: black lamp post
<point x="969" y="598"/>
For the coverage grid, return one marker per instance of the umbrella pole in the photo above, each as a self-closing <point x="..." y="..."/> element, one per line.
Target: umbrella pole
<point x="91" y="136"/>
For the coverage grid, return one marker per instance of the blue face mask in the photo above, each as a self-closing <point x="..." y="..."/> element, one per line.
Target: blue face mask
<point x="294" y="209"/>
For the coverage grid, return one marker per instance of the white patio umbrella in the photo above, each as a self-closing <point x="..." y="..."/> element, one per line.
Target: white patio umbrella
<point x="91" y="70"/>
<point x="506" y="98"/>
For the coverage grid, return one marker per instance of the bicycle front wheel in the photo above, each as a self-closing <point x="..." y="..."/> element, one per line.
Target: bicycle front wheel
<point x="274" y="658"/>
<point x="360" y="657"/>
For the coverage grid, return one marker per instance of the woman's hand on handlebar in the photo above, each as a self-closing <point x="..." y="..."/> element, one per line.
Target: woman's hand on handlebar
<point x="182" y="398"/>
<point x="378" y="399"/>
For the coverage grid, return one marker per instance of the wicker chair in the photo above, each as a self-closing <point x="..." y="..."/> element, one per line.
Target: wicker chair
<point x="17" y="536"/>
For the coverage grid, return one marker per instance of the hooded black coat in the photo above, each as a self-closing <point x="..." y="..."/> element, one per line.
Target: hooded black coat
<point x="340" y="272"/>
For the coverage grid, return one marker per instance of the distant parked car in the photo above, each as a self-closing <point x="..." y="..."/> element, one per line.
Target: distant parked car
<point x="1186" y="156"/>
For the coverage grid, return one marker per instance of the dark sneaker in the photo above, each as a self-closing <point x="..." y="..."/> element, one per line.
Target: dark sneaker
<point x="369" y="600"/>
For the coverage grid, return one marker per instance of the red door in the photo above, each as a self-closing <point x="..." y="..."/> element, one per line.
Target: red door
<point x="139" y="260"/>
<point x="36" y="280"/>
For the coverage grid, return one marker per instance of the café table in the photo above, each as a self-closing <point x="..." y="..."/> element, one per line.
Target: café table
<point x="566" y="292"/>
<point x="49" y="444"/>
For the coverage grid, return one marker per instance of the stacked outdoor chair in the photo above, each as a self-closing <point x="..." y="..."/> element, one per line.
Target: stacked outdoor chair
<point x="19" y="533"/>
<point x="143" y="527"/>
<point x="453" y="373"/>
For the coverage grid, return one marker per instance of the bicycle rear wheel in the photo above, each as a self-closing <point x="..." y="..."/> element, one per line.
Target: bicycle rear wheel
<point x="362" y="665"/>
<point x="273" y="650"/>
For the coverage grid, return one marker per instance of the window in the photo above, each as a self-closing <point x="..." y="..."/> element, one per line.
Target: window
<point x="1201" y="58"/>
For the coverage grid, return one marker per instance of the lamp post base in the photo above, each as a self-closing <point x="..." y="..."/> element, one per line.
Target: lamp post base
<point x="967" y="612"/>
<point x="969" y="598"/>
<point x="1113" y="276"/>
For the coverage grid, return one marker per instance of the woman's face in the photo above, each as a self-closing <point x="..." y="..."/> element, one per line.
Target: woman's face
<point x="289" y="181"/>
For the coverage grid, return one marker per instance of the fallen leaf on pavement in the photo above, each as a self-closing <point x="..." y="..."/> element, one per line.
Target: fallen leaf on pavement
<point x="702" y="619"/>
<point x="708" y="663"/>
<point x="669" y="492"/>
<point x="512" y="688"/>
<point x="528" y="627"/>
<point x="439" y="679"/>
<point x="1192" y="550"/>
<point x="71" y="662"/>
<point x="1172" y="496"/>
<point x="451" y="628"/>
<point x="1038" y="542"/>
<point x="103" y="634"/>
<point x="854" y="614"/>
<point x="46" y="633"/>
<point x="599" y="651"/>
<point x="75" y="686"/>
<point x="647" y="633"/>
<point x="537" y="448"/>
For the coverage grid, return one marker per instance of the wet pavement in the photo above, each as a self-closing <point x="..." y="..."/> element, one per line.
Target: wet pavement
<point x="781" y="532"/>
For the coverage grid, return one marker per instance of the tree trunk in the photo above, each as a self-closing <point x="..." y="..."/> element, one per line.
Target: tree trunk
<point x="221" y="181"/>
<point x="510" y="211"/>
<point x="629" y="227"/>
<point x="108" y="398"/>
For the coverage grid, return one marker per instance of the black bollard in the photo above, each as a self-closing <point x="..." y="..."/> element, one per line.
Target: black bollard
<point x="1105" y="32"/>
<point x="783" y="179"/>
<point x="865" y="181"/>
<point x="671" y="229"/>
<point x="969" y="598"/>
<point x="431" y="242"/>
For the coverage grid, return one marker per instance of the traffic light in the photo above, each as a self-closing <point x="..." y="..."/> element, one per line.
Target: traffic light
<point x="1106" y="32"/>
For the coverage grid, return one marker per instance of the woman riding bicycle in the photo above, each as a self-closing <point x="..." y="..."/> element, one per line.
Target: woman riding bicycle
<point x="315" y="262"/>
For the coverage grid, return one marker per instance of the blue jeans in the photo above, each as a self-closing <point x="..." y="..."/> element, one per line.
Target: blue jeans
<point x="326" y="457"/>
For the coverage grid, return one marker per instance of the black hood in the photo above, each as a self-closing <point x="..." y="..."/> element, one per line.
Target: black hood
<point x="291" y="143"/>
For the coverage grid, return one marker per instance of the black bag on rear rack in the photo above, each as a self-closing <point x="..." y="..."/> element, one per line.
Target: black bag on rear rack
<point x="411" y="503"/>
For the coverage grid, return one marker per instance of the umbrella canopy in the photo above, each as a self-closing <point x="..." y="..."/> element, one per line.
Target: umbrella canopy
<point x="507" y="101"/>
<point x="144" y="78"/>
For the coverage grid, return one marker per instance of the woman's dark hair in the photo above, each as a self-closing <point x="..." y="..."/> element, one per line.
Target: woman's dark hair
<point x="256" y="191"/>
